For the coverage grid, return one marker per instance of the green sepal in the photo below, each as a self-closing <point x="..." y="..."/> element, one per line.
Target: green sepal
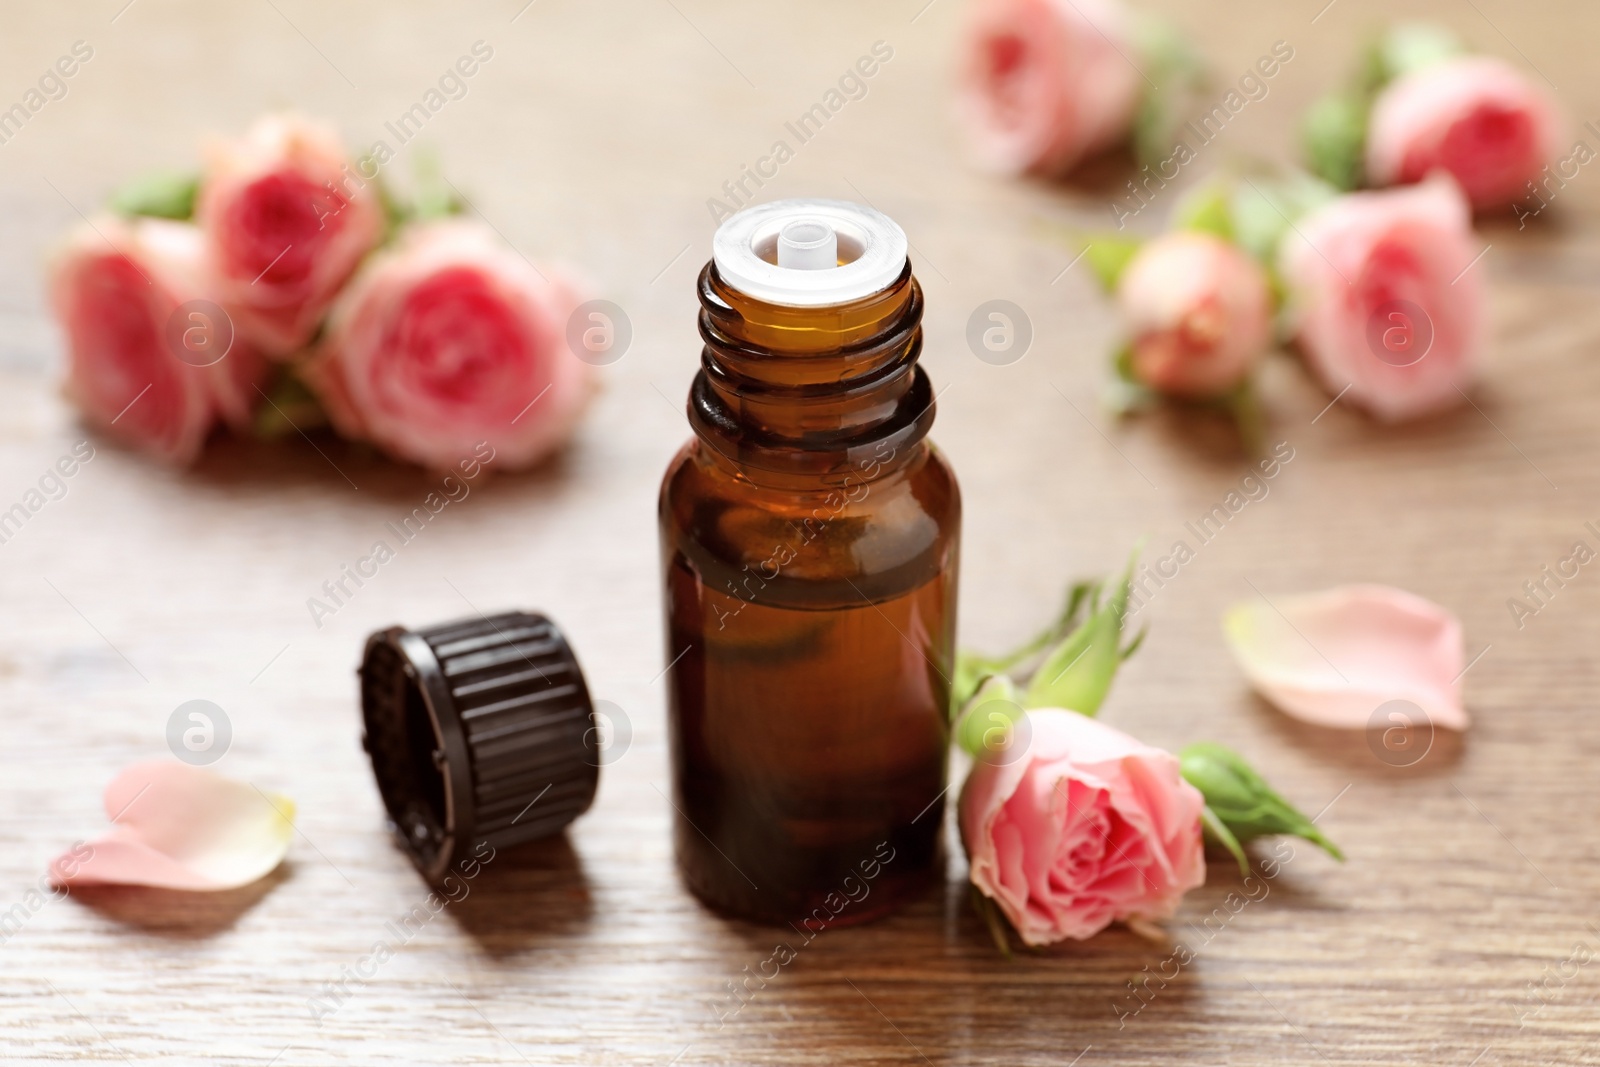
<point x="294" y="408"/>
<point x="1077" y="673"/>
<point x="1207" y="209"/>
<point x="1217" y="833"/>
<point x="1178" y="72"/>
<point x="1122" y="397"/>
<point x="435" y="197"/>
<point x="396" y="212"/>
<point x="1334" y="131"/>
<point x="162" y="194"/>
<point x="970" y="673"/>
<point x="972" y="668"/>
<point x="987" y="723"/>
<point x="1125" y="394"/>
<point x="1241" y="799"/>
<point x="993" y="920"/>
<point x="1243" y="404"/>
<point x="1410" y="46"/>
<point x="1109" y="256"/>
<point x="1264" y="209"/>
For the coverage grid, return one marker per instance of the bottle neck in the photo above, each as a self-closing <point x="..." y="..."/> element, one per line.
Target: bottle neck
<point x="819" y="394"/>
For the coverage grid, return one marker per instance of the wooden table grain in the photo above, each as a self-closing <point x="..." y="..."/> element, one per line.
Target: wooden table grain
<point x="595" y="135"/>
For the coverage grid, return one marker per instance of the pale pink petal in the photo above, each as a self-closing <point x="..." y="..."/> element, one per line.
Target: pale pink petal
<point x="1333" y="658"/>
<point x="181" y="827"/>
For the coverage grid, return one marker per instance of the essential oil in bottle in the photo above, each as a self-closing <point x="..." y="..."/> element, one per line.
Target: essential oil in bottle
<point x="809" y="536"/>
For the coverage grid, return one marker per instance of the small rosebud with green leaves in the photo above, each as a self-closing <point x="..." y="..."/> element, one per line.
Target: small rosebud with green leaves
<point x="1240" y="805"/>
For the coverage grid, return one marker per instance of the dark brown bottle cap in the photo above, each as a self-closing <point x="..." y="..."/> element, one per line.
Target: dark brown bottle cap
<point x="479" y="730"/>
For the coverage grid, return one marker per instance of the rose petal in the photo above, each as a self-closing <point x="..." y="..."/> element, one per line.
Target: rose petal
<point x="181" y="827"/>
<point x="1333" y="658"/>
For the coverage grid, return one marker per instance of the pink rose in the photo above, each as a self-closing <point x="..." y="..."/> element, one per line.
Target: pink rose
<point x="1044" y="83"/>
<point x="287" y="221"/>
<point x="137" y="367"/>
<point x="1384" y="300"/>
<point x="1086" y="827"/>
<point x="449" y="339"/>
<point x="1198" y="312"/>
<point x="1474" y="116"/>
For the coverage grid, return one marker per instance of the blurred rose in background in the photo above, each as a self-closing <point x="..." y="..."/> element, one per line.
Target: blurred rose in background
<point x="1199" y="311"/>
<point x="1384" y="302"/>
<point x="448" y="339"/>
<point x="287" y="221"/>
<point x="138" y="367"/>
<point x="1476" y="117"/>
<point x="1046" y="83"/>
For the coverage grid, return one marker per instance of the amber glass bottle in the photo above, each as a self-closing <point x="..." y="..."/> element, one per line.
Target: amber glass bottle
<point x="809" y="540"/>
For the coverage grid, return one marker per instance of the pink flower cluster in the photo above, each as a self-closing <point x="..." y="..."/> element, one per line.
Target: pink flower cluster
<point x="1382" y="302"/>
<point x="1376" y="289"/>
<point x="424" y="342"/>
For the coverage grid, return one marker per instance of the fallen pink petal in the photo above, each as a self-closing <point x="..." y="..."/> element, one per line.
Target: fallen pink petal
<point x="1334" y="657"/>
<point x="181" y="827"/>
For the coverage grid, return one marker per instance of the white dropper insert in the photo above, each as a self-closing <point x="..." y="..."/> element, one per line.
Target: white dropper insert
<point x="809" y="253"/>
<point x="808" y="244"/>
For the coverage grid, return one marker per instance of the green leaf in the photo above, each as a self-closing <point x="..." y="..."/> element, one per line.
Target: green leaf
<point x="1109" y="256"/>
<point x="1077" y="673"/>
<point x="1241" y="800"/>
<point x="1335" y="138"/>
<point x="158" y="194"/>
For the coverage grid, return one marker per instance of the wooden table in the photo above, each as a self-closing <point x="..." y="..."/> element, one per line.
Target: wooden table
<point x="595" y="135"/>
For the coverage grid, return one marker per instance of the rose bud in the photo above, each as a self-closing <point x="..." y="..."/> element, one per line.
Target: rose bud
<point x="1083" y="827"/>
<point x="1240" y="805"/>
<point x="1045" y="83"/>
<point x="449" y="339"/>
<point x="287" y="222"/>
<point x="1199" y="314"/>
<point x="1387" y="311"/>
<point x="1476" y="117"/>
<point x="138" y="367"/>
